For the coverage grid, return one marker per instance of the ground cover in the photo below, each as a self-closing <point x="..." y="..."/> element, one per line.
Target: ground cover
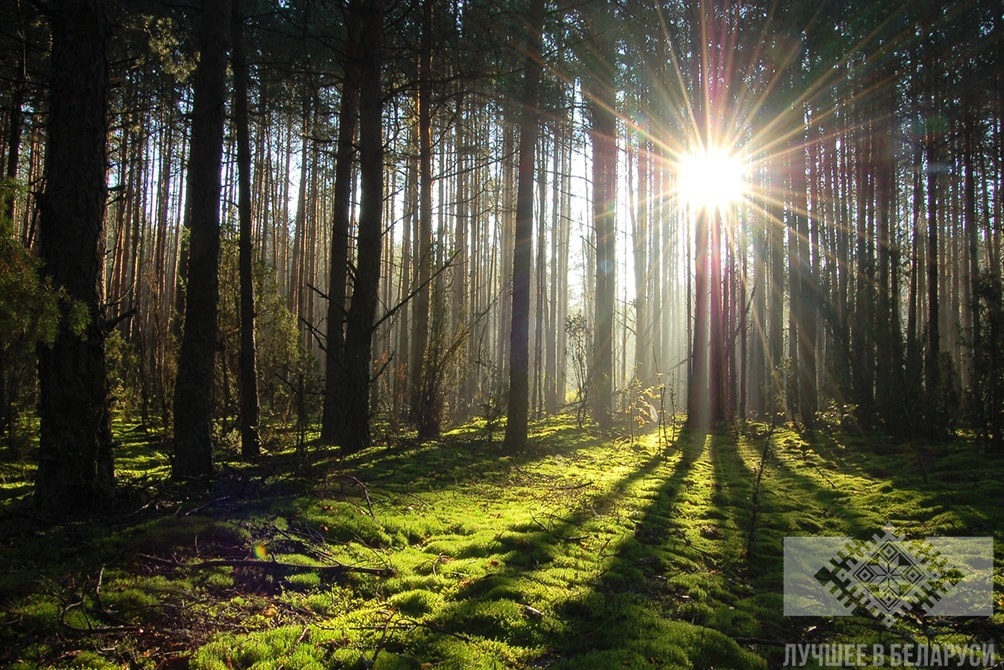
<point x="663" y="550"/>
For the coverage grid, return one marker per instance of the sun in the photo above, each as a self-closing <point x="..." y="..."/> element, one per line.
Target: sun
<point x="712" y="178"/>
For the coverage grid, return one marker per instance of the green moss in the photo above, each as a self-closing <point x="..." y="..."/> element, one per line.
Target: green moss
<point x="584" y="552"/>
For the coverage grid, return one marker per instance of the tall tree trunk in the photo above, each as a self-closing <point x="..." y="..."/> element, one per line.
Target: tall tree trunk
<point x="552" y="351"/>
<point x="420" y="412"/>
<point x="359" y="327"/>
<point x="932" y="377"/>
<point x="332" y="414"/>
<point x="862" y="335"/>
<point x="717" y="362"/>
<point x="804" y="298"/>
<point x="249" y="409"/>
<point x="539" y="302"/>
<point x="602" y="103"/>
<point x="640" y="239"/>
<point x="970" y="309"/>
<point x="193" y="448"/>
<point x="888" y="365"/>
<point x="519" y="333"/>
<point x="698" y="414"/>
<point x="75" y="468"/>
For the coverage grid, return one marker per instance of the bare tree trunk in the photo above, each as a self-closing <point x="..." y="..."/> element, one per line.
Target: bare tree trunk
<point x="332" y="416"/>
<point x="804" y="297"/>
<point x="932" y="377"/>
<point x="420" y="413"/>
<point x="75" y="468"/>
<point x="359" y="329"/>
<point x="193" y="448"/>
<point x="698" y="407"/>
<point x="519" y="334"/>
<point x="971" y="320"/>
<point x="539" y="303"/>
<point x="602" y="103"/>
<point x="249" y="409"/>
<point x="640" y="240"/>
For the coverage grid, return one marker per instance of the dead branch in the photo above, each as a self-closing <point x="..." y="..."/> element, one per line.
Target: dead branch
<point x="335" y="571"/>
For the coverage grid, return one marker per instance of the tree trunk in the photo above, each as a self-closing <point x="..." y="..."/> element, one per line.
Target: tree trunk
<point x="640" y="240"/>
<point x="332" y="415"/>
<point x="804" y="296"/>
<point x="193" y="448"/>
<point x="75" y="469"/>
<point x="249" y="410"/>
<point x="932" y="377"/>
<point x="421" y="414"/>
<point x="519" y="333"/>
<point x="602" y="103"/>
<point x="359" y="327"/>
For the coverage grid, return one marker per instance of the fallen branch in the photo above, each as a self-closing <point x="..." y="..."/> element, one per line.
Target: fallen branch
<point x="366" y="494"/>
<point x="563" y="538"/>
<point x="334" y="571"/>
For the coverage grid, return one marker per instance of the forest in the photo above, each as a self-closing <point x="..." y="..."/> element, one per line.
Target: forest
<point x="476" y="334"/>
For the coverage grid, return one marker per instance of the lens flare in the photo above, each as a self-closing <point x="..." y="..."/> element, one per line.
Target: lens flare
<point x="712" y="179"/>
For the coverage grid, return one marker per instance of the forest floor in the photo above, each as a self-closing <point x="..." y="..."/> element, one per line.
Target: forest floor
<point x="664" y="550"/>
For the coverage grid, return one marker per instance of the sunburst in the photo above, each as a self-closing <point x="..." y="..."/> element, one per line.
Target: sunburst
<point x="712" y="178"/>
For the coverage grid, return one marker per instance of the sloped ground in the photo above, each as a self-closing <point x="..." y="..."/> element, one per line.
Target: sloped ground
<point x="590" y="552"/>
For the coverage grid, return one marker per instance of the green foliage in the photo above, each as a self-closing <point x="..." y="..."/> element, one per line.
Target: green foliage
<point x="28" y="310"/>
<point x="281" y="360"/>
<point x="637" y="408"/>
<point x="30" y="314"/>
<point x="986" y="394"/>
<point x="124" y="373"/>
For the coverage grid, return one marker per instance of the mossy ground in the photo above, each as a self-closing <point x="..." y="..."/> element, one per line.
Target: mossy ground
<point x="587" y="552"/>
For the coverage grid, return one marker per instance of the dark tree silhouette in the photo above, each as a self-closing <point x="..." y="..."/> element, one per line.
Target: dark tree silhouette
<point x="193" y="448"/>
<point x="249" y="410"/>
<point x="75" y="467"/>
<point x="332" y="416"/>
<point x="359" y="329"/>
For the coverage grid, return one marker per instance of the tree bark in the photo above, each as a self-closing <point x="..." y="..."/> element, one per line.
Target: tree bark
<point x="803" y="294"/>
<point x="421" y="413"/>
<point x="359" y="327"/>
<point x="193" y="448"/>
<point x="602" y="103"/>
<point x="932" y="368"/>
<point x="75" y="468"/>
<point x="519" y="334"/>
<point x="249" y="408"/>
<point x="332" y="416"/>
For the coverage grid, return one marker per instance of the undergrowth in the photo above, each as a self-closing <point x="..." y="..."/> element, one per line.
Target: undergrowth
<point x="586" y="552"/>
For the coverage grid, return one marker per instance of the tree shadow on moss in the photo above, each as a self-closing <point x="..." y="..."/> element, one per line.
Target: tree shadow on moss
<point x="660" y="601"/>
<point x="515" y="603"/>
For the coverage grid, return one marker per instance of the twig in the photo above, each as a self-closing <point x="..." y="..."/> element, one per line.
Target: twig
<point x="272" y="566"/>
<point x="366" y="495"/>
<point x="575" y="538"/>
<point x="756" y="489"/>
<point x="823" y="475"/>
